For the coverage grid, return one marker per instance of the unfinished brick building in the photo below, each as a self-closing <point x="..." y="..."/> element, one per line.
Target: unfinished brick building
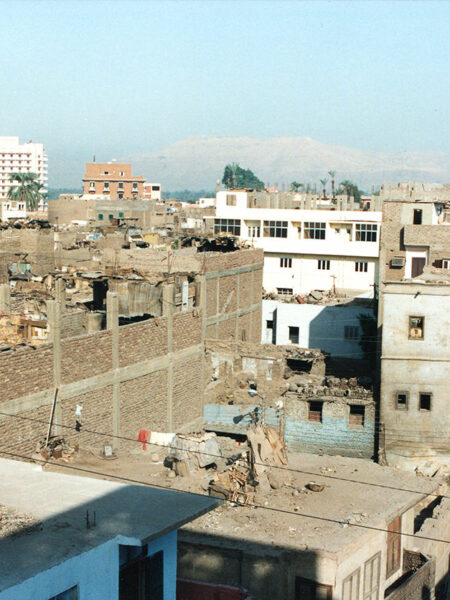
<point x="147" y="374"/>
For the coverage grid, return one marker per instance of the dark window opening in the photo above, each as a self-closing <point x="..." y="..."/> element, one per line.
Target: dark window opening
<point x="417" y="218"/>
<point x="417" y="265"/>
<point x="401" y="400"/>
<point x="315" y="411"/>
<point x="71" y="594"/>
<point x="297" y="365"/>
<point x="425" y="401"/>
<point x="357" y="413"/>
<point x="269" y="324"/>
<point x="142" y="578"/>
<point x="294" y="333"/>
<point x="305" y="589"/>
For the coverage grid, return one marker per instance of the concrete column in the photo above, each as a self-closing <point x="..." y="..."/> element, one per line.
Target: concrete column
<point x="217" y="305"/>
<point x="60" y="293"/>
<point x="238" y="296"/>
<point x="112" y="323"/>
<point x="168" y="298"/>
<point x="200" y="281"/>
<point x="5" y="298"/>
<point x="308" y="201"/>
<point x="54" y="322"/>
<point x="94" y="322"/>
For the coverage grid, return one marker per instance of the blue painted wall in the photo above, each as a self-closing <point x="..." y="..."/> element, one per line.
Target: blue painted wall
<point x="333" y="436"/>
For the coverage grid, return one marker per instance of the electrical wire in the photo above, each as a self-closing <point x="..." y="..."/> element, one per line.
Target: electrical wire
<point x="212" y="455"/>
<point x="343" y="522"/>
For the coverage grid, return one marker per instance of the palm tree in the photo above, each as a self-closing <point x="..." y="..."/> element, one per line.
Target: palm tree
<point x="295" y="186"/>
<point x="324" y="183"/>
<point x="332" y="174"/>
<point x="27" y="189"/>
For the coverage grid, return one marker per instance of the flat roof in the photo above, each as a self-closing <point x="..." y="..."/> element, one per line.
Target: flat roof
<point x="341" y="501"/>
<point x="59" y="503"/>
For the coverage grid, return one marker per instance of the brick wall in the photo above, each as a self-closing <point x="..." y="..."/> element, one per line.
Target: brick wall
<point x="419" y="586"/>
<point x="73" y="323"/>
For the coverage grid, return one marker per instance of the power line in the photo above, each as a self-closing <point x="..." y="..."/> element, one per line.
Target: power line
<point x="252" y="504"/>
<point x="212" y="455"/>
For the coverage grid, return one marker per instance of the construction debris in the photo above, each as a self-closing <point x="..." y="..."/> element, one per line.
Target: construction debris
<point x="188" y="453"/>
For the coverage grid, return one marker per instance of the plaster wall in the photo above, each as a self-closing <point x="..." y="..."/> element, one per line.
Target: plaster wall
<point x="320" y="326"/>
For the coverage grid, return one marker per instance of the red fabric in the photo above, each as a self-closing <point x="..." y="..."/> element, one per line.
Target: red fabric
<point x="143" y="437"/>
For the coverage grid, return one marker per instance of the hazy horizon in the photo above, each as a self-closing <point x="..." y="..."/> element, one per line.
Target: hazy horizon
<point x="125" y="78"/>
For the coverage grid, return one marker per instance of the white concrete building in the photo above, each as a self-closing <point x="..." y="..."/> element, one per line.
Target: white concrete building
<point x="153" y="191"/>
<point x="306" y="246"/>
<point x="24" y="158"/>
<point x="10" y="209"/>
<point x="78" y="538"/>
<point x="332" y="328"/>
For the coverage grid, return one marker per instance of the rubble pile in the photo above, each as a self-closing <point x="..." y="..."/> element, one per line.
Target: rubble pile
<point x="13" y="522"/>
<point x="330" y="386"/>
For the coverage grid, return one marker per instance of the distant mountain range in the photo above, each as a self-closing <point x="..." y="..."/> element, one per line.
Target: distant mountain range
<point x="198" y="162"/>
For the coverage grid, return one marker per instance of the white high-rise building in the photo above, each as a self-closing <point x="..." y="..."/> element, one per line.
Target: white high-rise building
<point x="16" y="157"/>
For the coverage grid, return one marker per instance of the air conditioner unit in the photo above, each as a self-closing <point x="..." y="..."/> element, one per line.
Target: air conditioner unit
<point x="397" y="262"/>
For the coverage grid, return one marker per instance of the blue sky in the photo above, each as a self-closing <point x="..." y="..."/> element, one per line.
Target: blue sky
<point x="115" y="78"/>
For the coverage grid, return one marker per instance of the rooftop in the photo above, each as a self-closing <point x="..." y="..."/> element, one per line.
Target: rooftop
<point x="59" y="502"/>
<point x="351" y="504"/>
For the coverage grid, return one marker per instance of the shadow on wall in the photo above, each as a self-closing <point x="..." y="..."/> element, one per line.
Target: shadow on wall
<point x="337" y="330"/>
<point x="264" y="571"/>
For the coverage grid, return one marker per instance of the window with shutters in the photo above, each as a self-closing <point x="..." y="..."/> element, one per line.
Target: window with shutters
<point x="286" y="263"/>
<point x="231" y="199"/>
<point x="305" y="589"/>
<point x="315" y="411"/>
<point x="446" y="263"/>
<point x="350" y="587"/>
<point x="361" y="266"/>
<point x="371" y="583"/>
<point x="323" y="264"/>
<point x="366" y="232"/>
<point x="394" y="542"/>
<point x="294" y="333"/>
<point x="416" y="328"/>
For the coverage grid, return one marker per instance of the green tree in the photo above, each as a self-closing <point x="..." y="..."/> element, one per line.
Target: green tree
<point x="351" y="189"/>
<point x="324" y="183"/>
<point x="295" y="186"/>
<point x="235" y="176"/>
<point x="332" y="174"/>
<point x="25" y="187"/>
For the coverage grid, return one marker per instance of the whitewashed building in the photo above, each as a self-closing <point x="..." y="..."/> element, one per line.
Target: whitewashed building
<point x="307" y="244"/>
<point x="12" y="209"/>
<point x="21" y="158"/>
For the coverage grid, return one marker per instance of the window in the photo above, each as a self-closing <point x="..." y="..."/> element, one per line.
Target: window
<point x="323" y="264"/>
<point x="106" y="173"/>
<point x="120" y="214"/>
<point x="227" y="226"/>
<point x="351" y="332"/>
<point x="293" y="334"/>
<point x="401" y="400"/>
<point x="350" y="587"/>
<point x="135" y="187"/>
<point x="366" y="232"/>
<point x="254" y="231"/>
<point x="100" y="217"/>
<point x="286" y="263"/>
<point x="424" y="401"/>
<point x="361" y="266"/>
<point x="269" y="324"/>
<point x="155" y="188"/>
<point x="372" y="578"/>
<point x="315" y="411"/>
<point x="305" y="589"/>
<point x="417" y="216"/>
<point x="120" y="185"/>
<point x="120" y="198"/>
<point x="231" y="199"/>
<point x="110" y="217"/>
<point x="106" y="185"/>
<point x="285" y="291"/>
<point x="92" y="185"/>
<point x="71" y="594"/>
<point x="446" y="263"/>
<point x="122" y="173"/>
<point x="275" y="229"/>
<point x="416" y="327"/>
<point x="143" y="578"/>
<point x="393" y="546"/>
<point x="356" y="415"/>
<point x="314" y="231"/>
